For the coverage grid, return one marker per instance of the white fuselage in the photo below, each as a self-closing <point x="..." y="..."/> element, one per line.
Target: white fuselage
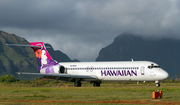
<point x="95" y="72"/>
<point x="117" y="71"/>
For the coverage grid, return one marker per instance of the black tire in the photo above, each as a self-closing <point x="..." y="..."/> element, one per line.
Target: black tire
<point x="158" y="84"/>
<point x="77" y="84"/>
<point x="96" y="84"/>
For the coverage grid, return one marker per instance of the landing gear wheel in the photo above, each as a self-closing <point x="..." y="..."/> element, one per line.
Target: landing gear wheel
<point x="158" y="84"/>
<point x="77" y="84"/>
<point x="96" y="84"/>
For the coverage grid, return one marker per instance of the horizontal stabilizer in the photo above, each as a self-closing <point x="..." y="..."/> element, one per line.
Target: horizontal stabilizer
<point x="24" y="45"/>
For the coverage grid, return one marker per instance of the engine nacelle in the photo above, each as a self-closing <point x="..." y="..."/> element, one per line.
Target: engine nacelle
<point x="62" y="70"/>
<point x="54" y="69"/>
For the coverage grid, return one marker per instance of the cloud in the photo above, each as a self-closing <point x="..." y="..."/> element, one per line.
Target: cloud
<point x="80" y="28"/>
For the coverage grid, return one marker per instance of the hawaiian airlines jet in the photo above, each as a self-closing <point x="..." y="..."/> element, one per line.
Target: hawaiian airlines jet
<point x="94" y="72"/>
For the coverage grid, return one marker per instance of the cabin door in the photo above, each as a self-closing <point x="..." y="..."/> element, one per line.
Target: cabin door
<point x="142" y="70"/>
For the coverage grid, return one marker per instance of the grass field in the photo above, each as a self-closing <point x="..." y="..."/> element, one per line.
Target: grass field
<point x="108" y="93"/>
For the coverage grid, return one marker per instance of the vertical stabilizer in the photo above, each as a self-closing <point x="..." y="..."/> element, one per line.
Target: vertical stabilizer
<point x="42" y="55"/>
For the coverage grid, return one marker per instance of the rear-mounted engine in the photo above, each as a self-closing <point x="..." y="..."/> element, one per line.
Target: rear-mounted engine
<point x="54" y="69"/>
<point x="62" y="70"/>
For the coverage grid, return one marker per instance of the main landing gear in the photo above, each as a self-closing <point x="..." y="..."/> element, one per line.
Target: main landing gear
<point x="95" y="84"/>
<point x="77" y="84"/>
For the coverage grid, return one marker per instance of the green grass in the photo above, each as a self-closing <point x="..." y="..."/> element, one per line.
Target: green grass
<point x="15" y="93"/>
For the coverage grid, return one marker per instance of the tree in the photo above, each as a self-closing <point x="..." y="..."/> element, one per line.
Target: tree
<point x="176" y="76"/>
<point x="7" y="78"/>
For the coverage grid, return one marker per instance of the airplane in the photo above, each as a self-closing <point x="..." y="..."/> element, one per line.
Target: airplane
<point x="93" y="72"/>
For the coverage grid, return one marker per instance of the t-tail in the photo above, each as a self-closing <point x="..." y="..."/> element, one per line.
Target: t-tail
<point x="45" y="60"/>
<point x="42" y="55"/>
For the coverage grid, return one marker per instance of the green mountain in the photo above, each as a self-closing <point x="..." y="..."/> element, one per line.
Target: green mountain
<point x="21" y="59"/>
<point x="16" y="59"/>
<point x="165" y="52"/>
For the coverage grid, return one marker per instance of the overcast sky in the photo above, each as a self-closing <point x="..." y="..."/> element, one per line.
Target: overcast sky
<point x="80" y="28"/>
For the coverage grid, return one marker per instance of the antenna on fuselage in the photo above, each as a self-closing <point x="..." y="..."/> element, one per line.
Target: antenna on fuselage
<point x="132" y="60"/>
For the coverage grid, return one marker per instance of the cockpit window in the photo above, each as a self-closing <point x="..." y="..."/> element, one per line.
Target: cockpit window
<point x="153" y="66"/>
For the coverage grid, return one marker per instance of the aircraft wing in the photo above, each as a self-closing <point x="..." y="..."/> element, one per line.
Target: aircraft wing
<point x="61" y="75"/>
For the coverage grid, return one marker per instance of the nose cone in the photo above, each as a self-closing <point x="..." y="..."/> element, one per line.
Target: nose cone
<point x="164" y="74"/>
<point x="161" y="74"/>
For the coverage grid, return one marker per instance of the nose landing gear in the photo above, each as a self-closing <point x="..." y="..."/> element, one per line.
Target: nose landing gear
<point x="157" y="83"/>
